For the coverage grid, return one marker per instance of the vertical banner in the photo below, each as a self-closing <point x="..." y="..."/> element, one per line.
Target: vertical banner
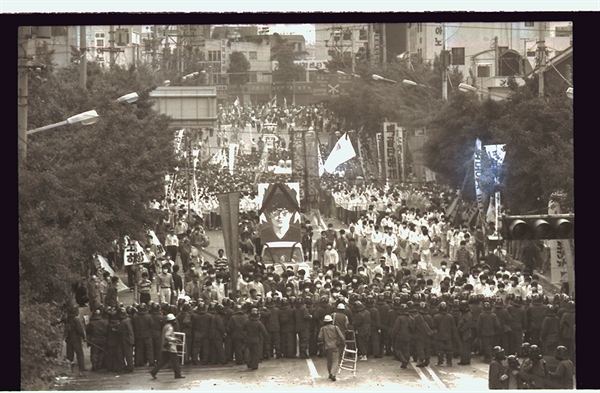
<point x="229" y="205"/>
<point x="400" y="152"/>
<point x="390" y="143"/>
<point x="312" y="168"/>
<point x="378" y="138"/>
<point x="262" y="165"/>
<point x="298" y="164"/>
<point x="477" y="176"/>
<point x="232" y="153"/>
<point x="497" y="206"/>
<point x="558" y="259"/>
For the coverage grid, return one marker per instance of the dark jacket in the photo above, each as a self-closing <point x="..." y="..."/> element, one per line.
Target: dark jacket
<point x="384" y="310"/>
<point x="362" y="321"/>
<point x="320" y="312"/>
<point x="550" y="329"/>
<point x="254" y="330"/>
<point x="125" y="332"/>
<point x="142" y="325"/>
<point x="272" y="323"/>
<point x="235" y="327"/>
<point x="466" y="326"/>
<point x="287" y="321"/>
<point x="201" y="321"/>
<point x="495" y="372"/>
<point x="403" y="328"/>
<point x="487" y="324"/>
<point x="156" y="330"/>
<point x="217" y="327"/>
<point x="535" y="316"/>
<point x="97" y="330"/>
<point x="423" y="327"/>
<point x="302" y="318"/>
<point x="518" y="318"/>
<point x="375" y="318"/>
<point x="111" y="296"/>
<point x="444" y="327"/>
<point x="503" y="319"/>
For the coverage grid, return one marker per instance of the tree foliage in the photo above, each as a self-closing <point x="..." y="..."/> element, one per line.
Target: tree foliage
<point x="537" y="131"/>
<point x="238" y="68"/>
<point x="286" y="71"/>
<point x="83" y="186"/>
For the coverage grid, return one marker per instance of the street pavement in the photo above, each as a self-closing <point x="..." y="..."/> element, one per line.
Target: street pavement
<point x="289" y="373"/>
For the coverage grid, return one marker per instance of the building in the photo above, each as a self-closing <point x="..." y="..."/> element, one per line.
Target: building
<point x="488" y="53"/>
<point x="124" y="47"/>
<point x="59" y="39"/>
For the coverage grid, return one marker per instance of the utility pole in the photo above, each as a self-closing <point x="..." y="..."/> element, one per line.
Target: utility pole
<point x="496" y="70"/>
<point x="444" y="71"/>
<point x="24" y="32"/>
<point x="383" y="44"/>
<point x="154" y="46"/>
<point x="111" y="41"/>
<point x="83" y="59"/>
<point x="542" y="59"/>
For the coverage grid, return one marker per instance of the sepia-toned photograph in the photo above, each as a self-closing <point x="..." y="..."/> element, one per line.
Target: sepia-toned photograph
<point x="406" y="203"/>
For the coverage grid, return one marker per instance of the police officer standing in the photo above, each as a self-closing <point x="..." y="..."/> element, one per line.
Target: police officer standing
<point x="74" y="333"/>
<point x="256" y="334"/>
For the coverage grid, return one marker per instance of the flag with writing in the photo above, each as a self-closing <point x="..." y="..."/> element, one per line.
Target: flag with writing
<point x="321" y="166"/>
<point x="341" y="152"/>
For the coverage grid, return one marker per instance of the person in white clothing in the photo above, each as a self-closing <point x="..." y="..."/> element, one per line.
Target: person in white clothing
<point x="425" y="245"/>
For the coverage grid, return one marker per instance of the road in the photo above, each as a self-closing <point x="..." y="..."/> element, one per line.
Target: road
<point x="290" y="373"/>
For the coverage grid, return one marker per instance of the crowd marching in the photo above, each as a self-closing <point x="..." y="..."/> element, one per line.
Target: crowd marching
<point x="374" y="277"/>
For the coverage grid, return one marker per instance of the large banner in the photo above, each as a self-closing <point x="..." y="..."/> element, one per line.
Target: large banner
<point x="392" y="149"/>
<point x="233" y="149"/>
<point x="312" y="168"/>
<point x="478" y="172"/>
<point x="496" y="155"/>
<point x="279" y="212"/>
<point x="229" y="205"/>
<point x="101" y="262"/>
<point x="378" y="139"/>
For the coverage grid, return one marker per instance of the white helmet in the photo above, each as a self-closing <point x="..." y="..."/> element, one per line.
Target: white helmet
<point x="327" y="318"/>
<point x="170" y="317"/>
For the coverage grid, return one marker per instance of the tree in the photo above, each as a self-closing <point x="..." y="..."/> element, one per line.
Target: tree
<point x="287" y="71"/>
<point x="538" y="137"/>
<point x="238" y="69"/>
<point x="80" y="188"/>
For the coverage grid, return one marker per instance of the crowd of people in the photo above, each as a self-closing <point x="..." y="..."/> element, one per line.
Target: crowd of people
<point x="374" y="278"/>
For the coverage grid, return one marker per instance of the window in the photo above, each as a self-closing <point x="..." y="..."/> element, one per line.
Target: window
<point x="252" y="55"/>
<point x="483" y="71"/>
<point x="458" y="56"/>
<point x="220" y="79"/>
<point x="347" y="35"/>
<point x="100" y="43"/>
<point x="99" y="35"/>
<point x="214" y="55"/>
<point x="529" y="24"/>
<point x="252" y="76"/>
<point x="362" y="34"/>
<point x="420" y="40"/>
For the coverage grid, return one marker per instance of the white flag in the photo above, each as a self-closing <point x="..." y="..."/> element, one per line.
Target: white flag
<point x="237" y="101"/>
<point x="342" y="152"/>
<point x="321" y="166"/>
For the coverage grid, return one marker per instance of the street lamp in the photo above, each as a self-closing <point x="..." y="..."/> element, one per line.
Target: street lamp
<point x="85" y="118"/>
<point x="345" y="73"/>
<point x="412" y="83"/>
<point x="570" y="92"/>
<point x="193" y="74"/>
<point x="128" y="98"/>
<point x="381" y="78"/>
<point x="468" y="88"/>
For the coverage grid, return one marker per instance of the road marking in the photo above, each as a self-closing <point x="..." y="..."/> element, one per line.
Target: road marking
<point x="312" y="368"/>
<point x="422" y="375"/>
<point x="437" y="380"/>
